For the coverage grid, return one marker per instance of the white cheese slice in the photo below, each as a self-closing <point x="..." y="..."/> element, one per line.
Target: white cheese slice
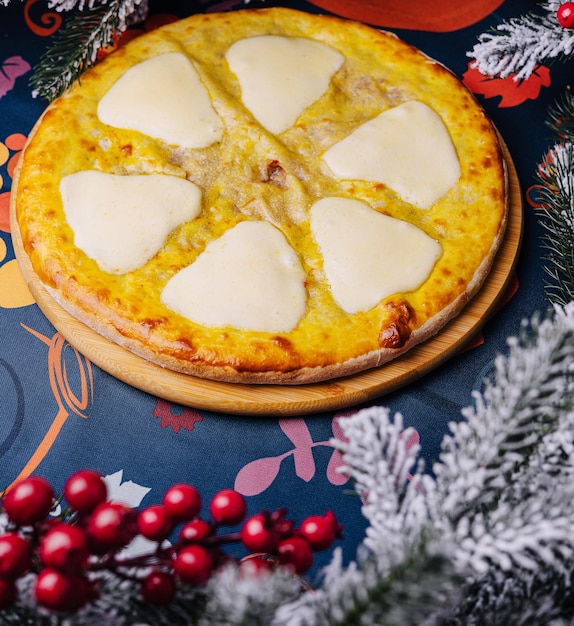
<point x="281" y="76"/>
<point x="250" y="278"/>
<point x="408" y="148"/>
<point x="164" y="98"/>
<point x="367" y="255"/>
<point x="122" y="221"/>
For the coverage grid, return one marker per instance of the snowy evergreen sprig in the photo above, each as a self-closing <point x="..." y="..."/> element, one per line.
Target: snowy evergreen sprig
<point x="555" y="178"/>
<point x="90" y="28"/>
<point x="517" y="46"/>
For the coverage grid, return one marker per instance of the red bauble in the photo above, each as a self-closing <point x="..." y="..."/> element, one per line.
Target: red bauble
<point x="319" y="531"/>
<point x="111" y="526"/>
<point x="182" y="501"/>
<point x="64" y="548"/>
<point x="84" y="490"/>
<point x="228" y="507"/>
<point x="15" y="556"/>
<point x="8" y="593"/>
<point x="60" y="592"/>
<point x="193" y="564"/>
<point x="296" y="553"/>
<point x="29" y="501"/>
<point x="158" y="587"/>
<point x="565" y="15"/>
<point x="155" y="523"/>
<point x="258" y="534"/>
<point x="196" y="531"/>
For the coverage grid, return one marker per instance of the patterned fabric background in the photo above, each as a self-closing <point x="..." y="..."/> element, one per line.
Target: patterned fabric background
<point x="60" y="413"/>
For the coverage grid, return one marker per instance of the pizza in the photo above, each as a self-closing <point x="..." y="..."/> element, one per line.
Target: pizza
<point x="263" y="196"/>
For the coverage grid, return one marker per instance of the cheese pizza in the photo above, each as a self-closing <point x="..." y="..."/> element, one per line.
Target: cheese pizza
<point x="263" y="196"/>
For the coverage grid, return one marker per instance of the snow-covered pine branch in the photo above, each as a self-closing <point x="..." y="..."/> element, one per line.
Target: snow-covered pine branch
<point x="516" y="47"/>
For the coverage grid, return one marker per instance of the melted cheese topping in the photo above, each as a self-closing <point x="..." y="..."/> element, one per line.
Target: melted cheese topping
<point x="164" y="98"/>
<point x="122" y="221"/>
<point x="407" y="148"/>
<point x="367" y="255"/>
<point x="250" y="278"/>
<point x="281" y="76"/>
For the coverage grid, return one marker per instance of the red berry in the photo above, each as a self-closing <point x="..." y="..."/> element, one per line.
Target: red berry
<point x="255" y="568"/>
<point x="15" y="556"/>
<point x="258" y="534"/>
<point x="196" y="531"/>
<point x="193" y="564"/>
<point x="228" y="507"/>
<point x="155" y="523"/>
<point x="29" y="501"/>
<point x="158" y="587"/>
<point x="111" y="526"/>
<point x="8" y="593"/>
<point x="296" y="553"/>
<point x="182" y="501"/>
<point x="60" y="592"/>
<point x="565" y="15"/>
<point x="319" y="531"/>
<point x="64" y="548"/>
<point x="84" y="490"/>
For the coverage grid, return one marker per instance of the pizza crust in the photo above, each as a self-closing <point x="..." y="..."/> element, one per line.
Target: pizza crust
<point x="232" y="355"/>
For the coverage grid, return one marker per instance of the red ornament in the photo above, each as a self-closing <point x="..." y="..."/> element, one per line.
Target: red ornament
<point x="193" y="564"/>
<point x="29" y="501"/>
<point x="111" y="526"/>
<point x="155" y="523"/>
<point x="8" y="593"/>
<point x="64" y="548"/>
<point x="196" y="531"/>
<point x="182" y="501"/>
<point x="565" y="15"/>
<point x="296" y="553"/>
<point x="60" y="592"/>
<point x="15" y="556"/>
<point x="319" y="531"/>
<point x="228" y="507"/>
<point x="84" y="490"/>
<point x="158" y="587"/>
<point x="258" y="534"/>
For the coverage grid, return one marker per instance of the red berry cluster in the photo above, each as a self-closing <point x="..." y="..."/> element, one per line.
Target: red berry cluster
<point x="65" y="553"/>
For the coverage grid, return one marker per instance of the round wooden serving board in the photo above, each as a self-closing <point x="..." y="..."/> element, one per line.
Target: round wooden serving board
<point x="287" y="399"/>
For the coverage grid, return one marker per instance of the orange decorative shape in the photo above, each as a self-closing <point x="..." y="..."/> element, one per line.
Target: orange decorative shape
<point x="14" y="292"/>
<point x="5" y="211"/>
<point x="439" y="16"/>
<point x="15" y="141"/>
<point x="512" y="92"/>
<point x="12" y="163"/>
<point x="50" y="21"/>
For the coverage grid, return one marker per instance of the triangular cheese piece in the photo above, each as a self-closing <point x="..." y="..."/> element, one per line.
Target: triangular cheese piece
<point x="408" y="148"/>
<point x="250" y="278"/>
<point x="164" y="98"/>
<point x="368" y="256"/>
<point x="122" y="221"/>
<point x="281" y="76"/>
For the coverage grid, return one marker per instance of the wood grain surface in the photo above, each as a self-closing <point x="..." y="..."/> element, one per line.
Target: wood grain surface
<point x="283" y="400"/>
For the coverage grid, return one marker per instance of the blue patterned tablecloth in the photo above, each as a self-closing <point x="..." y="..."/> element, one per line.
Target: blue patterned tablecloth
<point x="60" y="413"/>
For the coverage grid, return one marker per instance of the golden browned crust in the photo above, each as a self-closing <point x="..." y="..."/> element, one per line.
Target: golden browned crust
<point x="274" y="179"/>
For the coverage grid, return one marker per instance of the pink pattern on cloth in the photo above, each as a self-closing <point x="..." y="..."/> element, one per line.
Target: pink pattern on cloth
<point x="12" y="68"/>
<point x="258" y="475"/>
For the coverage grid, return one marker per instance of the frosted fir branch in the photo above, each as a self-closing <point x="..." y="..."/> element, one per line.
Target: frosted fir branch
<point x="76" y="45"/>
<point x="516" y="47"/>
<point x="236" y="599"/>
<point x="414" y="593"/>
<point x="556" y="199"/>
<point x="507" y="425"/>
